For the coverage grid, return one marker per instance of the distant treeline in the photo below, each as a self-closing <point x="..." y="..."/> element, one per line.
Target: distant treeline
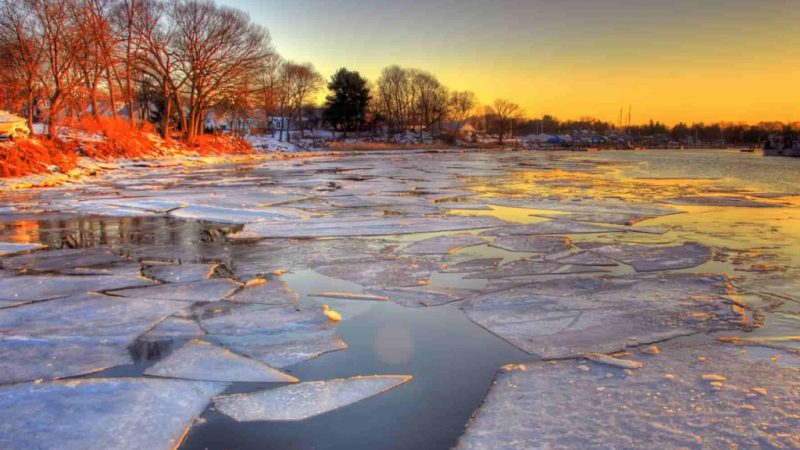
<point x="734" y="133"/>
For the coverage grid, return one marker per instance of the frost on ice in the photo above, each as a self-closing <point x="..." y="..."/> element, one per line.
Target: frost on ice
<point x="708" y="396"/>
<point x="198" y="360"/>
<point x="304" y="400"/>
<point x="565" y="317"/>
<point x="124" y="413"/>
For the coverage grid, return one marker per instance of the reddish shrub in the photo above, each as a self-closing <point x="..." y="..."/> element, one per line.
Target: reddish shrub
<point x="30" y="156"/>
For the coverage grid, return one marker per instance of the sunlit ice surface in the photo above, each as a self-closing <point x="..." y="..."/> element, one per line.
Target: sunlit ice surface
<point x="694" y="252"/>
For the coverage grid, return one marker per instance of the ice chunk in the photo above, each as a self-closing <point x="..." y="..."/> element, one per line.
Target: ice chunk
<point x="236" y="216"/>
<point x="73" y="336"/>
<point x="396" y="272"/>
<point x="173" y="328"/>
<point x="272" y="292"/>
<point x="10" y="248"/>
<point x="279" y="337"/>
<point x="473" y="265"/>
<point x="602" y="217"/>
<point x="559" y="226"/>
<point x="648" y="258"/>
<point x="533" y="244"/>
<point x="63" y="259"/>
<point x="124" y="413"/>
<point x="198" y="360"/>
<point x="564" y="317"/>
<point x="414" y="298"/>
<point x="575" y="404"/>
<point x="43" y="287"/>
<point x="525" y="267"/>
<point x="305" y="400"/>
<point x="356" y="226"/>
<point x="195" y="291"/>
<point x="176" y="273"/>
<point x="712" y="200"/>
<point x="443" y="245"/>
<point x="582" y="259"/>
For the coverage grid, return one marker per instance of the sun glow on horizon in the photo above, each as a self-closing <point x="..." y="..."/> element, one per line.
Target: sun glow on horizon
<point x="732" y="61"/>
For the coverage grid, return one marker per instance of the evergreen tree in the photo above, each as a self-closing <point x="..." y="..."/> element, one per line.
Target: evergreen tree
<point x="346" y="105"/>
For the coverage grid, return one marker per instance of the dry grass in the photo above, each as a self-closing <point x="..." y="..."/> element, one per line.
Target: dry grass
<point x="32" y="156"/>
<point x="364" y="146"/>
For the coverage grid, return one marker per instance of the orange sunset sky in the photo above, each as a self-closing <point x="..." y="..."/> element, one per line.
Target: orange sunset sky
<point x="679" y="60"/>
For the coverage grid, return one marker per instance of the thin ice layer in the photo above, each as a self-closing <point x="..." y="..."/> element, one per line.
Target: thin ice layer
<point x="305" y="400"/>
<point x="198" y="360"/>
<point x="124" y="413"/>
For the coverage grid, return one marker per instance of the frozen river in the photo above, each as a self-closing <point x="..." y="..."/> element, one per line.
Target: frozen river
<point x="487" y="300"/>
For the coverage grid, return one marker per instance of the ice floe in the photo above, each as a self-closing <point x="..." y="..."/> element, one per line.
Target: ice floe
<point x="43" y="287"/>
<point x="707" y="395"/>
<point x="123" y="413"/>
<point x="198" y="360"/>
<point x="649" y="258"/>
<point x="443" y="245"/>
<point x="304" y="400"/>
<point x="279" y="337"/>
<point x="565" y="317"/>
<point x="10" y="248"/>
<point x="194" y="291"/>
<point x="348" y="226"/>
<point x="533" y="244"/>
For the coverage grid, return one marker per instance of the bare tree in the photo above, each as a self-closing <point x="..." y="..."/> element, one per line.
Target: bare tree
<point x="216" y="48"/>
<point x="505" y="113"/>
<point x="56" y="33"/>
<point x="460" y="106"/>
<point x="23" y="57"/>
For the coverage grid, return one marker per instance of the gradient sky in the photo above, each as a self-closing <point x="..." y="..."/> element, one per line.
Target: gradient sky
<point x="672" y="60"/>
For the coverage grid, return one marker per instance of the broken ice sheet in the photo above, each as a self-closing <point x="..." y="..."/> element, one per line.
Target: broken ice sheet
<point x="74" y="335"/>
<point x="472" y="265"/>
<point x="272" y="291"/>
<point x="279" y="337"/>
<point x="173" y="328"/>
<point x="10" y="248"/>
<point x="558" y="226"/>
<point x="415" y="298"/>
<point x="385" y="271"/>
<point x="563" y="405"/>
<point x="525" y="267"/>
<point x="236" y="216"/>
<point x="195" y="291"/>
<point x="582" y="259"/>
<point x="43" y="287"/>
<point x="176" y="273"/>
<point x="357" y="226"/>
<point x="564" y="317"/>
<point x="443" y="245"/>
<point x="198" y="360"/>
<point x="533" y="244"/>
<point x="650" y="258"/>
<point x="55" y="260"/>
<point x="305" y="400"/>
<point x="711" y="200"/>
<point x="101" y="413"/>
